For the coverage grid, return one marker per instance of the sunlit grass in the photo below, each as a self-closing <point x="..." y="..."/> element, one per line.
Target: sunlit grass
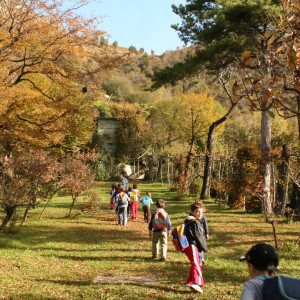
<point x="58" y="258"/>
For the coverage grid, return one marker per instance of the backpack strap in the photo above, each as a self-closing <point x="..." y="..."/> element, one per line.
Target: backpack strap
<point x="282" y="291"/>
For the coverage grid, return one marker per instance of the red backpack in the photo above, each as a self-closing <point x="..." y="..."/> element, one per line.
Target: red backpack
<point x="160" y="220"/>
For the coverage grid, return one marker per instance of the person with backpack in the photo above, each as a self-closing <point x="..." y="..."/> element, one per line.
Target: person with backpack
<point x="129" y="203"/>
<point x="262" y="262"/>
<point x="134" y="196"/>
<point x="160" y="228"/>
<point x="122" y="200"/>
<point x="114" y="197"/>
<point x="196" y="243"/>
<point x="146" y="202"/>
<point x="203" y="222"/>
<point x="111" y="193"/>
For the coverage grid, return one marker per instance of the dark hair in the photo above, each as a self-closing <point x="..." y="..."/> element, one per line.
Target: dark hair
<point x="263" y="257"/>
<point x="197" y="204"/>
<point x="200" y="204"/>
<point x="160" y="203"/>
<point x="134" y="186"/>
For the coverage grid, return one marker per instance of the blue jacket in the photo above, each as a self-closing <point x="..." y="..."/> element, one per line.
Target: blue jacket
<point x="146" y="201"/>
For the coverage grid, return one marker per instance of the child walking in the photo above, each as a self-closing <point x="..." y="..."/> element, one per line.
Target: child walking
<point x="111" y="194"/>
<point x="146" y="203"/>
<point x="159" y="229"/>
<point x="122" y="200"/>
<point x="203" y="222"/>
<point x="134" y="198"/>
<point x="197" y="243"/>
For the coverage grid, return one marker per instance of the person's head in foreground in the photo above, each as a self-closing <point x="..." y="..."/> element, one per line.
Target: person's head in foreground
<point x="262" y="259"/>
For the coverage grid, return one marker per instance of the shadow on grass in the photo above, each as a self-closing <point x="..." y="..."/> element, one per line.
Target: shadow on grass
<point x="158" y="287"/>
<point x="29" y="296"/>
<point x="114" y="258"/>
<point x="74" y="234"/>
<point x="67" y="282"/>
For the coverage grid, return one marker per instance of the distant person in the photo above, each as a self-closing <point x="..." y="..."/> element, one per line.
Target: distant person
<point x="111" y="193"/>
<point x="134" y="196"/>
<point x="124" y="182"/>
<point x="159" y="229"/>
<point x="146" y="202"/>
<point x="122" y="200"/>
<point x="114" y="197"/>
<point x="196" y="238"/>
<point x="262" y="261"/>
<point x="129" y="203"/>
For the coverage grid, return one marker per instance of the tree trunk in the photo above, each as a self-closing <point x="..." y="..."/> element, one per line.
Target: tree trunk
<point x="298" y="116"/>
<point x="74" y="197"/>
<point x="281" y="186"/>
<point x="266" y="207"/>
<point x="187" y="167"/>
<point x="47" y="203"/>
<point x="205" y="193"/>
<point x="9" y="214"/>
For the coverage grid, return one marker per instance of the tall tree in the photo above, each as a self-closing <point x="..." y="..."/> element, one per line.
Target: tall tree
<point x="222" y="30"/>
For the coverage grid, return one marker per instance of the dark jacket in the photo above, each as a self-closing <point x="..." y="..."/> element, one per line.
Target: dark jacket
<point x="195" y="233"/>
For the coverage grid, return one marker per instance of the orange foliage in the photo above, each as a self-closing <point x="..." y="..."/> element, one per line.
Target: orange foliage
<point x="46" y="54"/>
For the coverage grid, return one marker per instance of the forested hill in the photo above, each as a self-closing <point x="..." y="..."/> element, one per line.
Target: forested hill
<point x="132" y="81"/>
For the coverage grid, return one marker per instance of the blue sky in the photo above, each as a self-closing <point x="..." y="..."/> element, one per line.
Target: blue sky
<point x="141" y="23"/>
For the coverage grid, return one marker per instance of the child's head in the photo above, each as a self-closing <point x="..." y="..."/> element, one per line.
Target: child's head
<point x="121" y="188"/>
<point x="148" y="194"/>
<point x="160" y="203"/>
<point x="197" y="209"/>
<point x="262" y="258"/>
<point x="134" y="186"/>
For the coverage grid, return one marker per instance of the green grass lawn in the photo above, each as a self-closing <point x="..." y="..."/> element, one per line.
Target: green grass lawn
<point x="59" y="258"/>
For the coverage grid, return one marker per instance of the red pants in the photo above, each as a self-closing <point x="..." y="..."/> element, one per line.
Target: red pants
<point x="134" y="209"/>
<point x="195" y="275"/>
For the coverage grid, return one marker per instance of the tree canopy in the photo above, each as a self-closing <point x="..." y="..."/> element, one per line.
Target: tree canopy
<point x="46" y="54"/>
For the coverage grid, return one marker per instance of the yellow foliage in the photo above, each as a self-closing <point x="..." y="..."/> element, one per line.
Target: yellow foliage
<point x="44" y="56"/>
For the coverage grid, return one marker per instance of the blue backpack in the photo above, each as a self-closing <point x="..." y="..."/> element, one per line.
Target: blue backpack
<point x="122" y="199"/>
<point x="281" y="288"/>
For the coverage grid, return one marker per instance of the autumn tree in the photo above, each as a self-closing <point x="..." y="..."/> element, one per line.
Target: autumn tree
<point x="47" y="53"/>
<point x="26" y="181"/>
<point x="129" y="134"/>
<point x="77" y="177"/>
<point x="165" y="119"/>
<point x="199" y="110"/>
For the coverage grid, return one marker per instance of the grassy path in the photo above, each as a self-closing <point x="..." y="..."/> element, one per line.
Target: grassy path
<point x="58" y="258"/>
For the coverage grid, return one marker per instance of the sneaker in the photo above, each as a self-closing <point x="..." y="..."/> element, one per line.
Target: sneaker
<point x="196" y="288"/>
<point x="163" y="259"/>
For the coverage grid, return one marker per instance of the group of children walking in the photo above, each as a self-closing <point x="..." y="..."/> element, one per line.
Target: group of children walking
<point x="125" y="201"/>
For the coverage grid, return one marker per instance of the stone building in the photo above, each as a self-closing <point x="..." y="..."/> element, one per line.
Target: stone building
<point x="107" y="130"/>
